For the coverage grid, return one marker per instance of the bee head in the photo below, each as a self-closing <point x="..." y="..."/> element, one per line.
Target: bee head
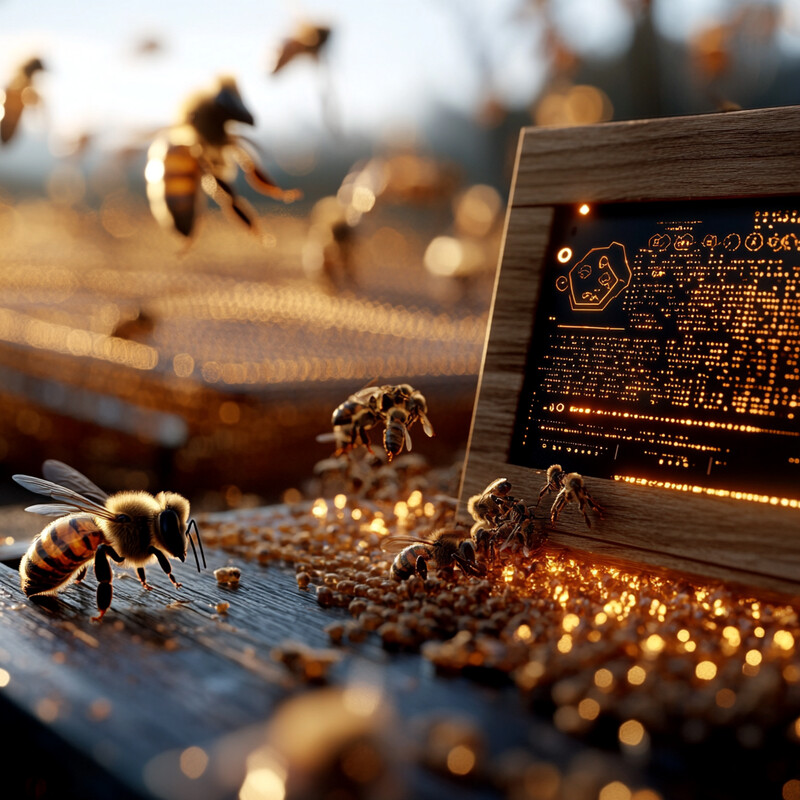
<point x="172" y="530"/>
<point x="230" y="103"/>
<point x="501" y="486"/>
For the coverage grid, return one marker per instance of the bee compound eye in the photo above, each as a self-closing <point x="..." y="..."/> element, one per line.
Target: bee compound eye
<point x="122" y="518"/>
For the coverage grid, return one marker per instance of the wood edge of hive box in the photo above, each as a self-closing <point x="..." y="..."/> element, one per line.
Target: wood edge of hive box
<point x="712" y="156"/>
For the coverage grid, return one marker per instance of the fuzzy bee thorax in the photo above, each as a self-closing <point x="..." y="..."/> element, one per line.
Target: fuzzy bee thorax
<point x="131" y="532"/>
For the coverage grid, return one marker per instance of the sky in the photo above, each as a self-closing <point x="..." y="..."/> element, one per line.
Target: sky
<point x="391" y="63"/>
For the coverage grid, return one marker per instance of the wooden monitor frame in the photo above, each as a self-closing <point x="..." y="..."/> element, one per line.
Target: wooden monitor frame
<point x="715" y="156"/>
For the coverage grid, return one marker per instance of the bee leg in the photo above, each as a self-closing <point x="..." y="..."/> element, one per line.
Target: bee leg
<point x="468" y="567"/>
<point x="595" y="505"/>
<point x="262" y="182"/>
<point x="81" y="574"/>
<point x="163" y="562"/>
<point x="558" y="505"/>
<point x="102" y="571"/>
<point x="222" y="193"/>
<point x="422" y="567"/>
<point x="545" y="490"/>
<point x="142" y="580"/>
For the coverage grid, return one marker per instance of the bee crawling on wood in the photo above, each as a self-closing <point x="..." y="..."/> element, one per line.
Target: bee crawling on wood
<point x="554" y="483"/>
<point x="502" y="521"/>
<point x="574" y="490"/>
<point x="493" y="503"/>
<point x="445" y="548"/>
<point x="200" y="152"/>
<point x="129" y="527"/>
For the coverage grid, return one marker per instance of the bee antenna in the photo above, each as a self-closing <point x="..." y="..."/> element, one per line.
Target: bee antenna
<point x="193" y="524"/>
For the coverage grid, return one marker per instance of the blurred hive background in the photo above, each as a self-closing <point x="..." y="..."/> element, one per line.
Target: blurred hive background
<point x="210" y="365"/>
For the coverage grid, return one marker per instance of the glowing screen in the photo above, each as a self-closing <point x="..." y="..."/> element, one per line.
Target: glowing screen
<point x="666" y="347"/>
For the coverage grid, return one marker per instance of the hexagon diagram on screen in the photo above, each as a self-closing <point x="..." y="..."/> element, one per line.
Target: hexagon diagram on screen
<point x="597" y="279"/>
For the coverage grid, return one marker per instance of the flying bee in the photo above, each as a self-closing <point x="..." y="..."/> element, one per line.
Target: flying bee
<point x="200" y="153"/>
<point x="353" y="418"/>
<point x="18" y="94"/>
<point x="308" y="40"/>
<point x="129" y="527"/>
<point x="445" y="548"/>
<point x="555" y="482"/>
<point x="398" y="407"/>
<point x="574" y="490"/>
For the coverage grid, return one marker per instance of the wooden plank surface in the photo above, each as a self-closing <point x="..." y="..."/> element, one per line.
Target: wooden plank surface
<point x="667" y="159"/>
<point x="157" y="676"/>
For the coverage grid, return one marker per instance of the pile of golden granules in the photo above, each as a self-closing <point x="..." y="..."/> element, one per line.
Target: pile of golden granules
<point x="652" y="655"/>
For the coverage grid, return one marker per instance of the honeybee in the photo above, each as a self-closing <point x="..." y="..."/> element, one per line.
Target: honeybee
<point x="555" y="481"/>
<point x="417" y="407"/>
<point x="308" y="40"/>
<point x="446" y="548"/>
<point x="129" y="527"/>
<point x="492" y="503"/>
<point x="398" y="407"/>
<point x="574" y="490"/>
<point x="353" y="418"/>
<point x="396" y="434"/>
<point x="200" y="152"/>
<point x="18" y="94"/>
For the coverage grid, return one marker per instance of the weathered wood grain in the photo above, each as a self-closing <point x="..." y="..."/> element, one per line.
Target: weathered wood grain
<point x="156" y="676"/>
<point x="665" y="159"/>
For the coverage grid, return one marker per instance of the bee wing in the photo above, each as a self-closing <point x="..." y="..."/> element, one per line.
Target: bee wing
<point x="426" y="424"/>
<point x="64" y="475"/>
<point x="52" y="509"/>
<point x="394" y="544"/>
<point x="408" y="438"/>
<point x="63" y="495"/>
<point x="326" y="437"/>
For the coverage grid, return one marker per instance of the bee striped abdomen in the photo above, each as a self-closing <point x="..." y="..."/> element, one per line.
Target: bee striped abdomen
<point x="58" y="552"/>
<point x="173" y="181"/>
<point x="405" y="563"/>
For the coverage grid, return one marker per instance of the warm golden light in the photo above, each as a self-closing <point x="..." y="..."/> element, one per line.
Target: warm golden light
<point x="614" y="791"/>
<point x="653" y="644"/>
<point x="791" y="790"/>
<point x="320" y="508"/>
<point x="589" y="709"/>
<point x="636" y="676"/>
<point x="5" y="677"/>
<point x="262" y="783"/>
<point x="564" y="254"/>
<point x="461" y="760"/>
<point x="584" y="209"/>
<point x="603" y="678"/>
<point x="706" y="670"/>
<point x="732" y="636"/>
<point x="570" y="622"/>
<point x="193" y="762"/>
<point x="753" y="657"/>
<point x="631" y="733"/>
